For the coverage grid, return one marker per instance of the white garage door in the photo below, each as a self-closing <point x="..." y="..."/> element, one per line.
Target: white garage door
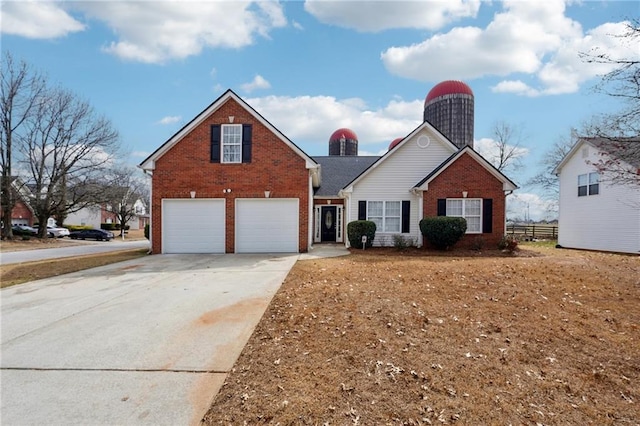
<point x="193" y="226"/>
<point x="267" y="225"/>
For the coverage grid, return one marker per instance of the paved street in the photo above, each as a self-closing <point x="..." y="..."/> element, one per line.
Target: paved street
<point x="147" y="341"/>
<point x="84" y="248"/>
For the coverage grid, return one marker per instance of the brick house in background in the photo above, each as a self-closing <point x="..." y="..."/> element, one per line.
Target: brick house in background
<point x="22" y="212"/>
<point x="230" y="182"/>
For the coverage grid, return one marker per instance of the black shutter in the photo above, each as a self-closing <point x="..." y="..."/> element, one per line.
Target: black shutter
<point x="487" y="216"/>
<point x="362" y="210"/>
<point x="215" y="143"/>
<point x="246" y="143"/>
<point x="406" y="212"/>
<point x="442" y="207"/>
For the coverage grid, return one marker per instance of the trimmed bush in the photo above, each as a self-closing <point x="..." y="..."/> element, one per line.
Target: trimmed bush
<point x="146" y="231"/>
<point x="443" y="231"/>
<point x="108" y="226"/>
<point x="72" y="228"/>
<point x="358" y="228"/>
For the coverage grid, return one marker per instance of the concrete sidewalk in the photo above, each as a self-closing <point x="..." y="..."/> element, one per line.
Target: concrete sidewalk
<point x="148" y="341"/>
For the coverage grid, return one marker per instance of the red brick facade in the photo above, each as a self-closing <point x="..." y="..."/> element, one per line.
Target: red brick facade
<point x="21" y="214"/>
<point x="274" y="167"/>
<point x="467" y="174"/>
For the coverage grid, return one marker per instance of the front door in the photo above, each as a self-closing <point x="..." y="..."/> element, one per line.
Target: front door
<point x="328" y="224"/>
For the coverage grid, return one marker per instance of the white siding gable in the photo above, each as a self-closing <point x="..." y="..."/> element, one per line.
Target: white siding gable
<point x="88" y="216"/>
<point x="393" y="177"/>
<point x="608" y="221"/>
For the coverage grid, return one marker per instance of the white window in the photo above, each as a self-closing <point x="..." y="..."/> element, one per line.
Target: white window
<point x="387" y="215"/>
<point x="232" y="143"/>
<point x="588" y="184"/>
<point x="468" y="208"/>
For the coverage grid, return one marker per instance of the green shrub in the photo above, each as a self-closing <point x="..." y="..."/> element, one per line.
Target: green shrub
<point x="146" y="231"/>
<point x="358" y="228"/>
<point x="508" y="243"/>
<point x="443" y="231"/>
<point x="108" y="226"/>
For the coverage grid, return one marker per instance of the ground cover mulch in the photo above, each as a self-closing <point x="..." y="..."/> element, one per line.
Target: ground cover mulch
<point x="544" y="337"/>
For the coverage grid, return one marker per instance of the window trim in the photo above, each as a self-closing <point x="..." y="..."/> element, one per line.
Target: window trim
<point x="464" y="212"/>
<point x="588" y="187"/>
<point x="385" y="216"/>
<point x="224" y="143"/>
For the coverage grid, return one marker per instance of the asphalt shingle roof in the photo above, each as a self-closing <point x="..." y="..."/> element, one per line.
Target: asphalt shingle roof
<point x="624" y="149"/>
<point x="339" y="171"/>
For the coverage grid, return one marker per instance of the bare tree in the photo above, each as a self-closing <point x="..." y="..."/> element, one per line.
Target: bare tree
<point x="618" y="133"/>
<point x="20" y="91"/>
<point x="66" y="145"/>
<point x="546" y="180"/>
<point x="507" y="150"/>
<point x="127" y="188"/>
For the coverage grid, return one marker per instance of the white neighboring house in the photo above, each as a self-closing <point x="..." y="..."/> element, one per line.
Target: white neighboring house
<point x="95" y="215"/>
<point x="88" y="216"/>
<point x="596" y="213"/>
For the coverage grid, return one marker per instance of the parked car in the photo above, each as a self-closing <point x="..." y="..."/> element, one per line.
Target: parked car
<point x="24" y="230"/>
<point x="91" y="234"/>
<point x="53" y="231"/>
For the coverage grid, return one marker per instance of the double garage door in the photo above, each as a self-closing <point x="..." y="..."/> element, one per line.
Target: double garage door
<point x="261" y="225"/>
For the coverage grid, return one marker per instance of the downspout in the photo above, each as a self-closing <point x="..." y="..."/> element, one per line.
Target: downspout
<point x="310" y="221"/>
<point x="506" y="194"/>
<point x="420" y="195"/>
<point x="150" y="173"/>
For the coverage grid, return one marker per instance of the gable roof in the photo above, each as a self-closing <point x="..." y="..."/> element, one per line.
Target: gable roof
<point x="507" y="184"/>
<point x="338" y="171"/>
<point x="396" y="148"/>
<point x="627" y="150"/>
<point x="22" y="190"/>
<point x="149" y="162"/>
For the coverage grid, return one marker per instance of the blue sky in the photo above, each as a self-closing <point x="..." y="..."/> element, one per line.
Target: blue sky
<point x="313" y="67"/>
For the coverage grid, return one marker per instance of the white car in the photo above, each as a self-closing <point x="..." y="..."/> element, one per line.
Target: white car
<point x="58" y="232"/>
<point x="53" y="231"/>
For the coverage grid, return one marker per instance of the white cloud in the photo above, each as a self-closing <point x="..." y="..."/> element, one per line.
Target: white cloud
<point x="160" y="31"/>
<point x="531" y="38"/>
<point x="304" y="119"/>
<point x="38" y="20"/>
<point x="372" y="16"/>
<point x="258" y="82"/>
<point x="523" y="206"/>
<point x="170" y="119"/>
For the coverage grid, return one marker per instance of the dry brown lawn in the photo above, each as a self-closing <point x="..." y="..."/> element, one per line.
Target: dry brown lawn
<point x="541" y="338"/>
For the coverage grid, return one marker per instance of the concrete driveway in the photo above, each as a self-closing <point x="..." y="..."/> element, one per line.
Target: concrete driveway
<point x="148" y="341"/>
